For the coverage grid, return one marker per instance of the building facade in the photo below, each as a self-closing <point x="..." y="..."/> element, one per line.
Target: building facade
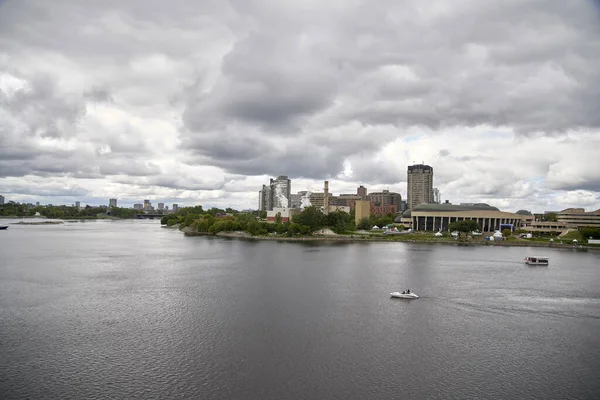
<point x="161" y="206"/>
<point x="383" y="210"/>
<point x="385" y="198"/>
<point x="361" y="191"/>
<point x="278" y="194"/>
<point x="419" y="185"/>
<point x="579" y="218"/>
<point x="175" y="207"/>
<point x="138" y="206"/>
<point x="112" y="202"/>
<point x="285" y="213"/>
<point x="1" y="199"/>
<point x="362" y="210"/>
<point x="77" y="204"/>
<point x="438" y="217"/>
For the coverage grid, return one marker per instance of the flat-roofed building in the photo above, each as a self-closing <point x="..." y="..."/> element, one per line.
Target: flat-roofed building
<point x="419" y="185"/>
<point x="286" y="214"/>
<point x="112" y="202"/>
<point x="385" y="198"/>
<point x="435" y="217"/>
<point x="579" y="218"/>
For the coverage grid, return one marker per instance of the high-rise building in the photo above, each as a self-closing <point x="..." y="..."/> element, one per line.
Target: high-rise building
<point x="175" y="207"/>
<point x="161" y="206"/>
<point x="1" y="199"/>
<point x="278" y="194"/>
<point x="138" y="206"/>
<point x="112" y="202"/>
<point x="419" y="185"/>
<point x="77" y="204"/>
<point x="437" y="197"/>
<point x="361" y="191"/>
<point x="147" y="204"/>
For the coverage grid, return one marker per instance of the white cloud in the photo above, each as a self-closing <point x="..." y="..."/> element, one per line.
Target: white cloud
<point x="201" y="102"/>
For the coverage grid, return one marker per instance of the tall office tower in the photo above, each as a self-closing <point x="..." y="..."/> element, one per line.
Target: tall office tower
<point x="112" y="202"/>
<point x="1" y="199"/>
<point x="146" y="204"/>
<point x="420" y="185"/>
<point x="77" y="204"/>
<point x="161" y="206"/>
<point x="437" y="197"/>
<point x="361" y="191"/>
<point x="175" y="207"/>
<point x="138" y="206"/>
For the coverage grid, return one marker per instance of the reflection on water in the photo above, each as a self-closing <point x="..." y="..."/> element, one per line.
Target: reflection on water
<point x="127" y="309"/>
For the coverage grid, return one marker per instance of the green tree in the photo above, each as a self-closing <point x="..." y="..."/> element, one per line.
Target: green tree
<point x="311" y="217"/>
<point x="278" y="218"/>
<point x="551" y="217"/>
<point x="364" y="224"/>
<point x="464" y="226"/>
<point x="590" y="232"/>
<point x="506" y="232"/>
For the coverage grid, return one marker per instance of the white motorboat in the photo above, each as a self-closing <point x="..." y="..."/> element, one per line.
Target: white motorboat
<point x="401" y="295"/>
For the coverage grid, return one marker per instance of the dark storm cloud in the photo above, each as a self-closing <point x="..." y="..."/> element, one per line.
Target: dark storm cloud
<point x="254" y="87"/>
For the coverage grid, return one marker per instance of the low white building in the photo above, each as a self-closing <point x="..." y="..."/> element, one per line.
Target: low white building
<point x="286" y="214"/>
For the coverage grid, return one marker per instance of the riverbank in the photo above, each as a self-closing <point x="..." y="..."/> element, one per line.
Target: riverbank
<point x="38" y="223"/>
<point x="395" y="238"/>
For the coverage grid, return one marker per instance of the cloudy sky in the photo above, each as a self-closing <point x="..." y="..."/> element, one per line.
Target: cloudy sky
<point x="201" y="101"/>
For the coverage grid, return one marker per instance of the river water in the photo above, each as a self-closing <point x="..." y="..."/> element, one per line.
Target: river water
<point x="127" y="309"/>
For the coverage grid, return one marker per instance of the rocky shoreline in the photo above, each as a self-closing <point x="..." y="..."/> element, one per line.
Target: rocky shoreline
<point x="364" y="238"/>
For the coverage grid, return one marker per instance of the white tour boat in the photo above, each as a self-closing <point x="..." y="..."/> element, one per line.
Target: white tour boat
<point x="404" y="295"/>
<point x="536" y="260"/>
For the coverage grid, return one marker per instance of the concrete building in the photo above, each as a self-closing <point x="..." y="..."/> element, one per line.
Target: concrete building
<point x="361" y="191"/>
<point x="318" y="199"/>
<point x="296" y="200"/>
<point x="161" y="206"/>
<point x="383" y="210"/>
<point x="112" y="202"/>
<point x="579" y="218"/>
<point x="278" y="194"/>
<point x="147" y="204"/>
<point x="347" y="200"/>
<point x="419" y="185"/>
<point x="175" y="207"/>
<point x="385" y="198"/>
<point x="138" y="206"/>
<point x="437" y="196"/>
<point x="434" y="217"/>
<point x="362" y="210"/>
<point x="1" y="199"/>
<point x="77" y="204"/>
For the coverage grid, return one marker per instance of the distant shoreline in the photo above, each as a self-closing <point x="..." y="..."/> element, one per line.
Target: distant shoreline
<point x="355" y="238"/>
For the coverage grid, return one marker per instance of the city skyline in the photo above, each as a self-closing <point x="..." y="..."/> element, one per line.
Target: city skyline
<point x="190" y="113"/>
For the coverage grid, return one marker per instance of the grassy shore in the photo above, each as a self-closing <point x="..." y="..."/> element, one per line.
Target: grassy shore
<point x="418" y="237"/>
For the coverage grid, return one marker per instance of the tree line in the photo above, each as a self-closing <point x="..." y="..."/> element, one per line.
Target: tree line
<point x="65" y="212"/>
<point x="216" y="220"/>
